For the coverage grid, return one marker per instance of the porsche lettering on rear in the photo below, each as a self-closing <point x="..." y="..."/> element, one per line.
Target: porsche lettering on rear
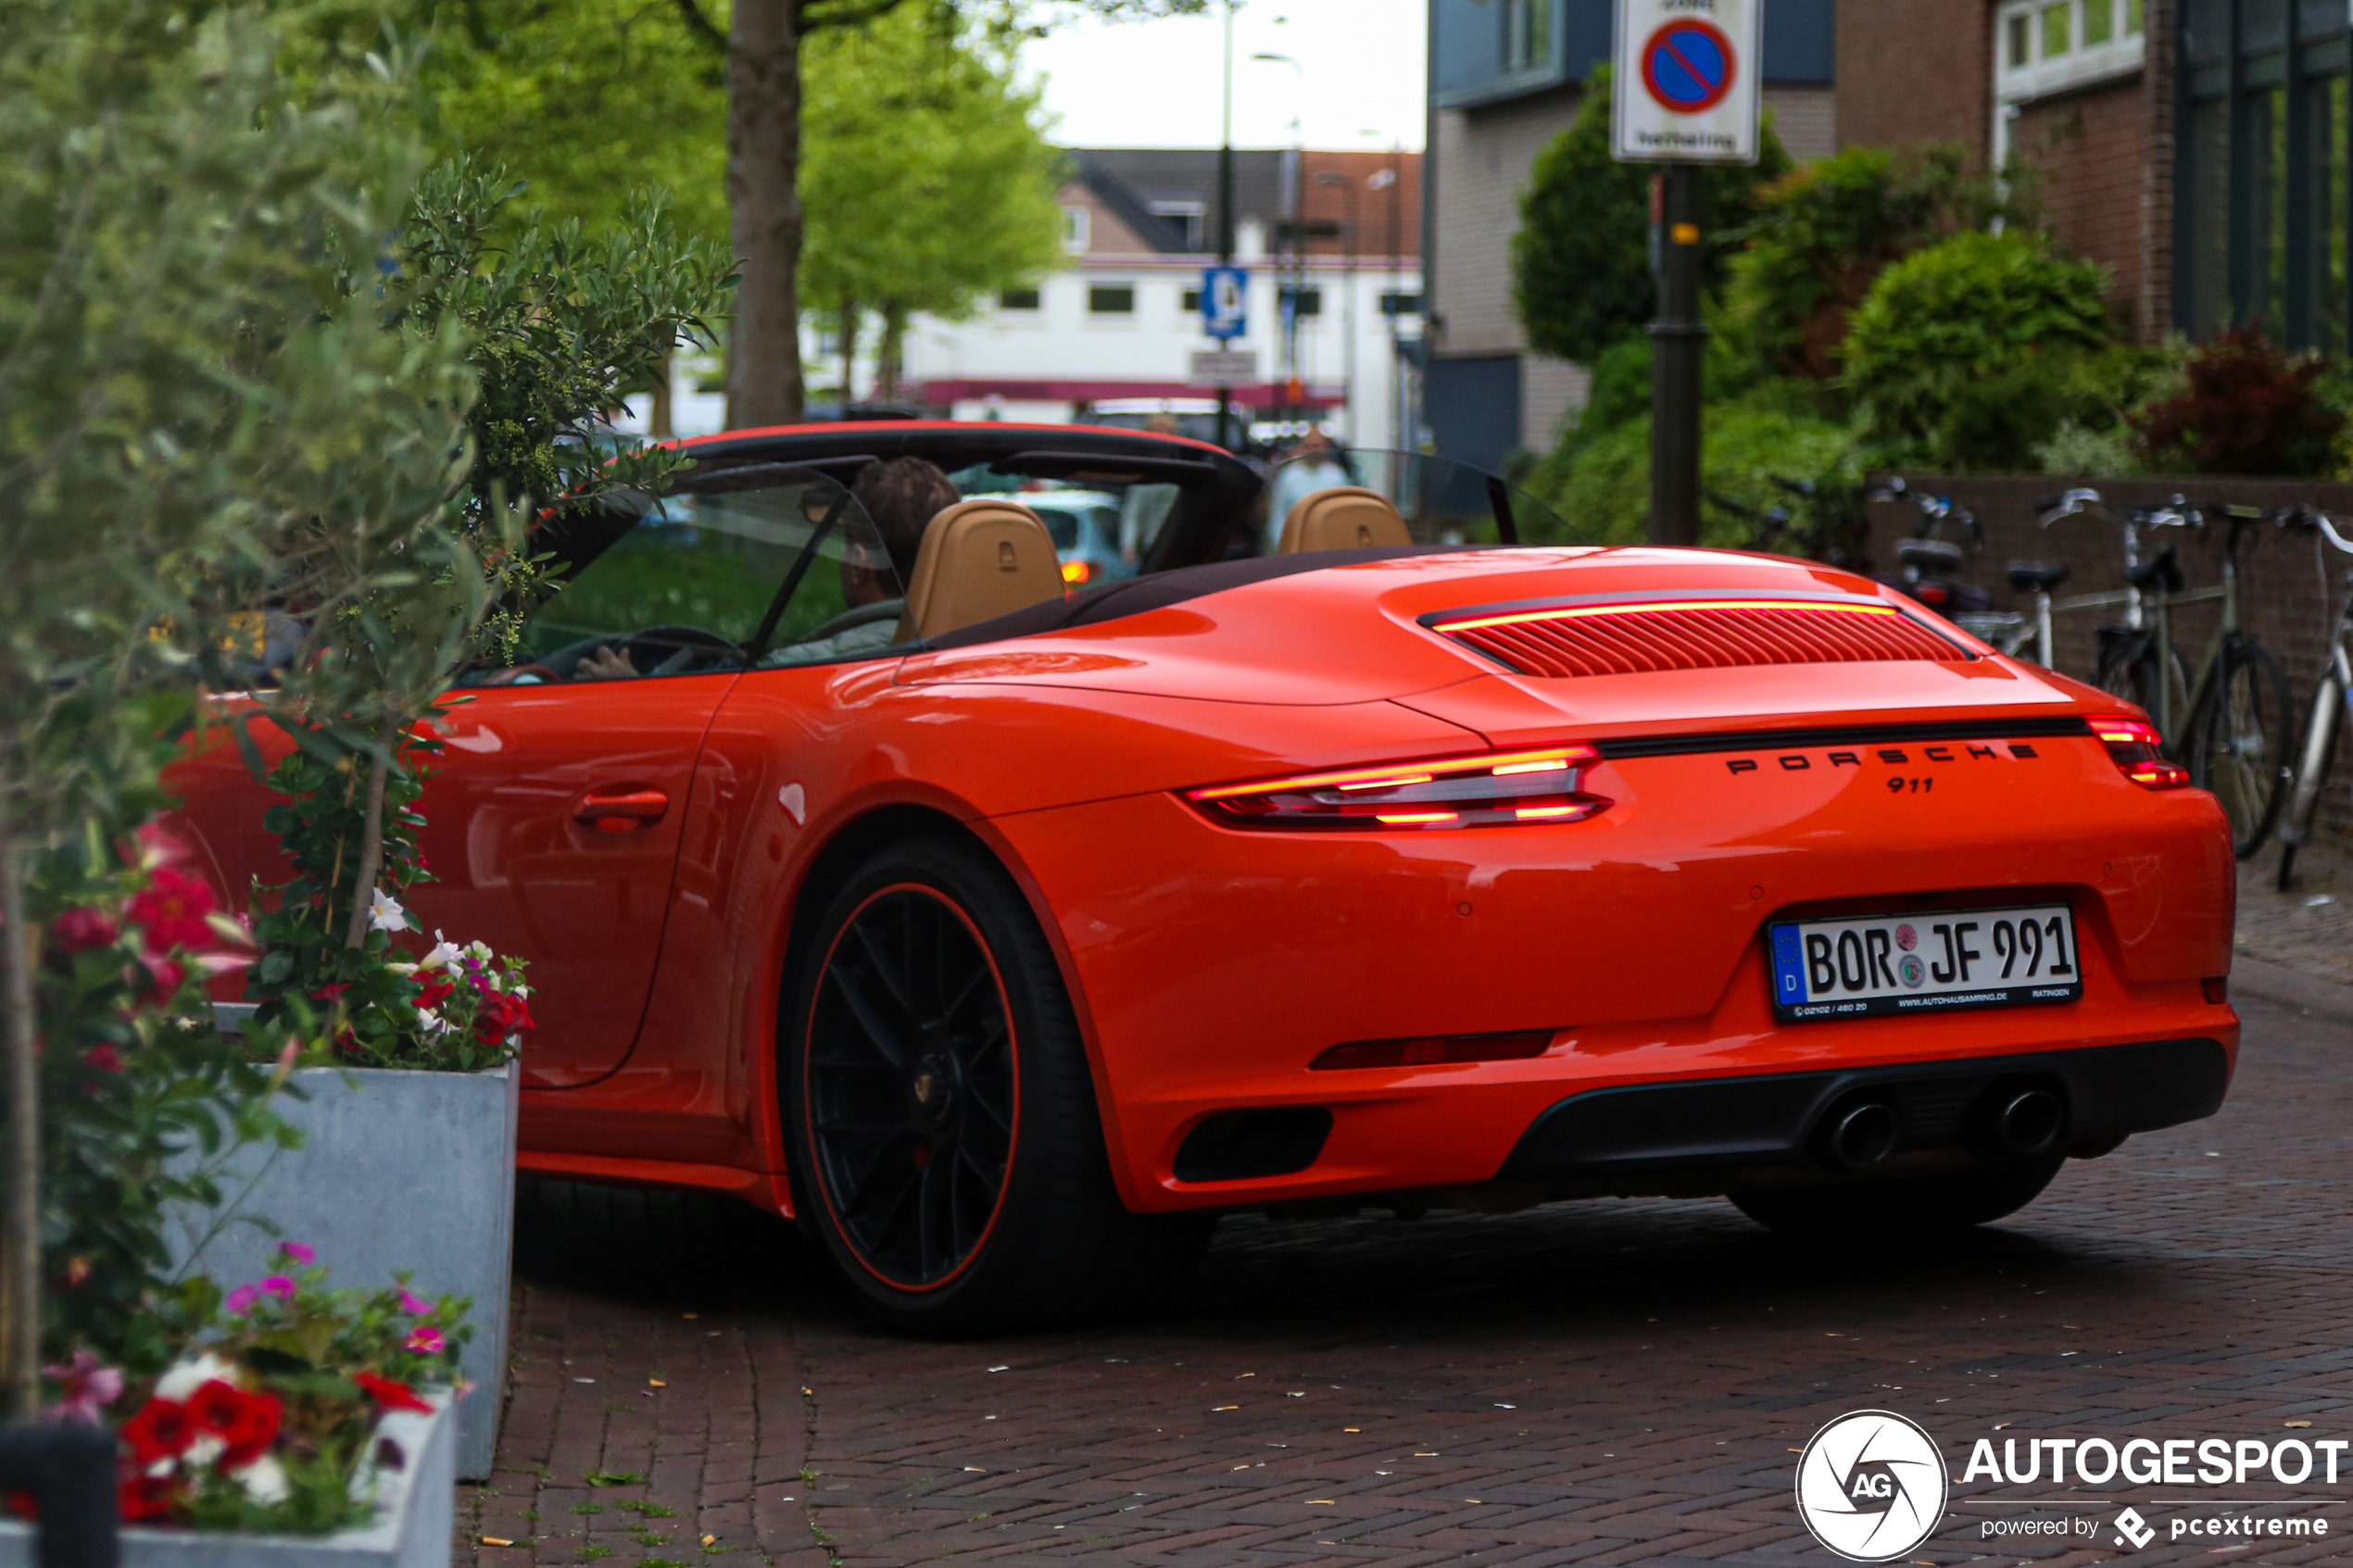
<point x="1887" y="756"/>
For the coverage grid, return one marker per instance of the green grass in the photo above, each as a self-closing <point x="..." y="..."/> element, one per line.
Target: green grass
<point x="644" y="1510"/>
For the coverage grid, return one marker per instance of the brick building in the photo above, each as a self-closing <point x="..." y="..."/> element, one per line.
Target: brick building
<point x="2198" y="148"/>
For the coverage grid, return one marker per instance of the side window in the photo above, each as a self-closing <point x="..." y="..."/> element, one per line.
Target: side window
<point x="726" y="567"/>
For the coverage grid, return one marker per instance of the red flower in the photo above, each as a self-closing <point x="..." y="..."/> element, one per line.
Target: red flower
<point x="247" y="1423"/>
<point x="434" y="990"/>
<point x="105" y="1057"/>
<point x="81" y="928"/>
<point x="172" y="911"/>
<point x="501" y="1014"/>
<point x="142" y="1498"/>
<point x="331" y="993"/>
<point x="164" y="979"/>
<point x="162" y="1430"/>
<point x="389" y="1395"/>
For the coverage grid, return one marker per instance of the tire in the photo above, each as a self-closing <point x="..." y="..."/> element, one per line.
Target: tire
<point x="1862" y="1208"/>
<point x="2128" y="668"/>
<point x="2238" y="747"/>
<point x="942" y="1122"/>
<point x="2316" y="755"/>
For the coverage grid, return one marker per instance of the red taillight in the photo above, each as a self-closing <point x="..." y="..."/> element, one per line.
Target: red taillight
<point x="1489" y="790"/>
<point x="2138" y="752"/>
<point x="1076" y="572"/>
<point x="1425" y="1049"/>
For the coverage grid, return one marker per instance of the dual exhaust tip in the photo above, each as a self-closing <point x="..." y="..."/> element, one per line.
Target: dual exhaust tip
<point x="2022" y="1122"/>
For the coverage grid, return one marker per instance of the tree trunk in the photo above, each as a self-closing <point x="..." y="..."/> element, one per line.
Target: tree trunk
<point x="852" y="318"/>
<point x="372" y="837"/>
<point x="660" y="416"/>
<point x="20" y="1225"/>
<point x="890" y="360"/>
<point x="764" y="200"/>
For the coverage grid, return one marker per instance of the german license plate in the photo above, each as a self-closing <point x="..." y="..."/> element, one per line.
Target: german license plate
<point x="1937" y="963"/>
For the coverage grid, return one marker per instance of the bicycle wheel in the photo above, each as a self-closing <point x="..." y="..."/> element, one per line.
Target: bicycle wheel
<point x="2314" y="759"/>
<point x="2129" y="669"/>
<point x="2238" y="742"/>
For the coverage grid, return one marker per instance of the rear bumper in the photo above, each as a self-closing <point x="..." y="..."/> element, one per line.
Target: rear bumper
<point x="1640" y="1131"/>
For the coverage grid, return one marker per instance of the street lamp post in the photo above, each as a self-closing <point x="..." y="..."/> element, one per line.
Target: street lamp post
<point x="1331" y="177"/>
<point x="1292" y="194"/>
<point x="1226" y="217"/>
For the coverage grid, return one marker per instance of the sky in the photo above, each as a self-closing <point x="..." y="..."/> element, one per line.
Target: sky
<point x="1158" y="84"/>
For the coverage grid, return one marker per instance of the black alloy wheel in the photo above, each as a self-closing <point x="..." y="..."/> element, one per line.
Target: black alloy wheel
<point x="911" y="1085"/>
<point x="945" y="1142"/>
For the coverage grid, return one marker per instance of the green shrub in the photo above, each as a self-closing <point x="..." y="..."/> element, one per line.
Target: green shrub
<point x="1580" y="262"/>
<point x="1824" y="232"/>
<point x="1602" y="488"/>
<point x="1960" y="356"/>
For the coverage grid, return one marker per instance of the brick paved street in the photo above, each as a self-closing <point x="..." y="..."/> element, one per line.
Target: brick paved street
<point x="1611" y="1382"/>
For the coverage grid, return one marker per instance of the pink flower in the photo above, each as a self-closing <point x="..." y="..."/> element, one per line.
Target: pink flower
<point x="81" y="928"/>
<point x="85" y="1387"/>
<point x="413" y="1304"/>
<point x="299" y="1253"/>
<point x="158" y="845"/>
<point x="424" y="1340"/>
<point x="163" y="981"/>
<point x="240" y="1300"/>
<point x="279" y="1287"/>
<point x="103" y="1057"/>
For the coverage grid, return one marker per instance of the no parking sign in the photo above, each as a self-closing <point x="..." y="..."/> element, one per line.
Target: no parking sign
<point x="1687" y="80"/>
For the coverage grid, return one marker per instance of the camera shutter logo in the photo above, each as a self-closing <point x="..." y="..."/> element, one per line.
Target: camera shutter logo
<point x="1871" y="1485"/>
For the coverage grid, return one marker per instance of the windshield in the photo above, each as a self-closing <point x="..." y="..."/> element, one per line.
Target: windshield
<point x="1439" y="501"/>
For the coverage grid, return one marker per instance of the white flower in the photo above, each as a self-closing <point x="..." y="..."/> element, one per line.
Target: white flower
<point x="432" y="1022"/>
<point x="187" y="1378"/>
<point x="264" y="1481"/>
<point x="479" y="951"/>
<point x="444" y="952"/>
<point x="385" y="913"/>
<point x="203" y="1451"/>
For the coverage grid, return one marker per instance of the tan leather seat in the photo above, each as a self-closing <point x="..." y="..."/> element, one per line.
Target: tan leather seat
<point x="980" y="559"/>
<point x="1346" y="517"/>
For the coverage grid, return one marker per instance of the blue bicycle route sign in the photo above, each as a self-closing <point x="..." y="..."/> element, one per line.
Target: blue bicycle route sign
<point x="1225" y="303"/>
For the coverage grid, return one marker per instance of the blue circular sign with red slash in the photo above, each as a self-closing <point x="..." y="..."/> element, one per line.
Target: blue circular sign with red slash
<point x="1688" y="66"/>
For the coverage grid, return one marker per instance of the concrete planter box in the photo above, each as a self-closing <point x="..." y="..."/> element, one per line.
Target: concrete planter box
<point x="397" y="1171"/>
<point x="415" y="1515"/>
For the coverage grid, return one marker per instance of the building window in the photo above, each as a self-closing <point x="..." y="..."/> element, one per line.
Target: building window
<point x="2099" y="22"/>
<point x="1192" y="302"/>
<point x="2058" y="31"/>
<point x="1395" y="304"/>
<point x="1189" y="219"/>
<point x="1019" y="299"/>
<point x="2020" y="38"/>
<point x="1112" y="299"/>
<point x="1304" y="302"/>
<point x="1078" y="230"/>
<point x="1528" y="34"/>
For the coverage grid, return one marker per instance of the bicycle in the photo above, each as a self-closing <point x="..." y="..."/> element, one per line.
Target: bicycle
<point x="2229" y="723"/>
<point x="2331" y="697"/>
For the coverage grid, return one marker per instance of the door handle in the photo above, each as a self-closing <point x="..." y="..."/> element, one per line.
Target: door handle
<point x="622" y="811"/>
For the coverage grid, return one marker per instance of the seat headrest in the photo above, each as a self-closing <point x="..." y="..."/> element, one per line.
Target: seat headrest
<point x="980" y="559"/>
<point x="1346" y="517"/>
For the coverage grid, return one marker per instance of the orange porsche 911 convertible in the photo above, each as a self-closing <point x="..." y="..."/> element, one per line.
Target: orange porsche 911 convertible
<point x="1004" y="905"/>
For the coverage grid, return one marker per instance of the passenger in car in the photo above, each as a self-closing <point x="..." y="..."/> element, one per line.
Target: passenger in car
<point x="900" y="496"/>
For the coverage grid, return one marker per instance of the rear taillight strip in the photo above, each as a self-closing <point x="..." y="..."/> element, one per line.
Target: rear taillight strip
<point x="1486" y="790"/>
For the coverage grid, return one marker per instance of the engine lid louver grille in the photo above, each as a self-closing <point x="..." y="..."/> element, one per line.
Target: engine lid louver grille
<point x="1650" y="635"/>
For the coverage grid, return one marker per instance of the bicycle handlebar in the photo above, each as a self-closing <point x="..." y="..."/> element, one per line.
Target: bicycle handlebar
<point x="2302" y="516"/>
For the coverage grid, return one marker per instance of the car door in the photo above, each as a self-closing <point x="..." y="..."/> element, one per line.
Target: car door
<point x="552" y="830"/>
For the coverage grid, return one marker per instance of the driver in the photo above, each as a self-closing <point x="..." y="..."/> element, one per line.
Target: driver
<point x="900" y="496"/>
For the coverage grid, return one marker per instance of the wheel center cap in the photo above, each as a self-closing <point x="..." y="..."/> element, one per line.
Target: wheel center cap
<point x="935" y="1085"/>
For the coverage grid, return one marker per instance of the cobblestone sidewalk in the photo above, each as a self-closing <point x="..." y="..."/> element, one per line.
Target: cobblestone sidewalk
<point x="1611" y="1382"/>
